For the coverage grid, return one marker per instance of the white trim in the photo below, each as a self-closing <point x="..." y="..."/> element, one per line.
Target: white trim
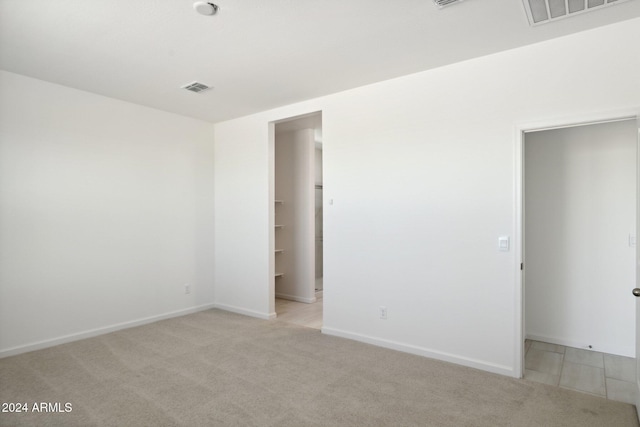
<point x="578" y="120"/>
<point x="296" y="298"/>
<point x="245" y="311"/>
<point x="520" y="130"/>
<point x="637" y="349"/>
<point x="421" y="351"/>
<point x="100" y="331"/>
<point x="271" y="153"/>
<point x="518" y="247"/>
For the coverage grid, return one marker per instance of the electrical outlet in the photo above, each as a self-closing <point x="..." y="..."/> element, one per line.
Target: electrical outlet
<point x="187" y="288"/>
<point x="383" y="312"/>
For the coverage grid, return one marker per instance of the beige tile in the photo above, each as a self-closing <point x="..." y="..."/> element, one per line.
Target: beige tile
<point x="315" y="324"/>
<point x="299" y="313"/>
<point x="621" y="391"/>
<point x="547" y="362"/>
<point x="620" y="367"/>
<point x="589" y="379"/>
<point x="541" y="377"/>
<point x="590" y="372"/>
<point x="538" y="345"/>
<point x="584" y="357"/>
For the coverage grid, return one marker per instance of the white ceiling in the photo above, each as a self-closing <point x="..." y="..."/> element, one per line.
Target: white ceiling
<point x="258" y="54"/>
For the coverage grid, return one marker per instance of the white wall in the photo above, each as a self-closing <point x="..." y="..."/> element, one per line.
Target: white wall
<point x="421" y="170"/>
<point x="580" y="198"/>
<point x="242" y="190"/>
<point x="294" y="185"/>
<point x="106" y="212"/>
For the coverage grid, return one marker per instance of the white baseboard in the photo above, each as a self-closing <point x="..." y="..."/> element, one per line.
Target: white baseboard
<point x="99" y="331"/>
<point x="421" y="351"/>
<point x="296" y="298"/>
<point x="627" y="351"/>
<point x="245" y="311"/>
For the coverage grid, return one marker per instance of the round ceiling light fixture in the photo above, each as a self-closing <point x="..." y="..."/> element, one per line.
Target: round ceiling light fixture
<point x="204" y="8"/>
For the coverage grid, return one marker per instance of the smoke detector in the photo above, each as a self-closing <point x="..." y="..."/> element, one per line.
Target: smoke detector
<point x="205" y="8"/>
<point x="196" y="87"/>
<point x="543" y="11"/>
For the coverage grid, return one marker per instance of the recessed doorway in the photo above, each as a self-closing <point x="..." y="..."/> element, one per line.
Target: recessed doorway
<point x="297" y="241"/>
<point x="577" y="220"/>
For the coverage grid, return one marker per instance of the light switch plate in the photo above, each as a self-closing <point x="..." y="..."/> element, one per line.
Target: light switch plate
<point x="503" y="243"/>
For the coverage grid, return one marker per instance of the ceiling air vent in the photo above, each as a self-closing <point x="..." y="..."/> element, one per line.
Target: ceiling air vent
<point x="195" y="87"/>
<point x="543" y="11"/>
<point x="443" y="3"/>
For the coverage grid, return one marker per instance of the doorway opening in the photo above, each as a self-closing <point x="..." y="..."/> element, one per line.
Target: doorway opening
<point x="577" y="211"/>
<point x="297" y="241"/>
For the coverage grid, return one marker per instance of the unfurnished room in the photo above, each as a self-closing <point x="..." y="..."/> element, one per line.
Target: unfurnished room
<point x="319" y="213"/>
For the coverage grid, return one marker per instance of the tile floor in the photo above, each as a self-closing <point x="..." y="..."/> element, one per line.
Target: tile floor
<point x="600" y="374"/>
<point x="309" y="315"/>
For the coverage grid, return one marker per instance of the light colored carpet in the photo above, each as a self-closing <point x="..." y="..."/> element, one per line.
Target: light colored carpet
<point x="215" y="368"/>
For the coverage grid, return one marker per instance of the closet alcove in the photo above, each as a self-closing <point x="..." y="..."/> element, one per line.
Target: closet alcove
<point x="298" y="209"/>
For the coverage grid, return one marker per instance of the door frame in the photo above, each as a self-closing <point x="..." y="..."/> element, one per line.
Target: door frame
<point x="521" y="129"/>
<point x="271" y="147"/>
